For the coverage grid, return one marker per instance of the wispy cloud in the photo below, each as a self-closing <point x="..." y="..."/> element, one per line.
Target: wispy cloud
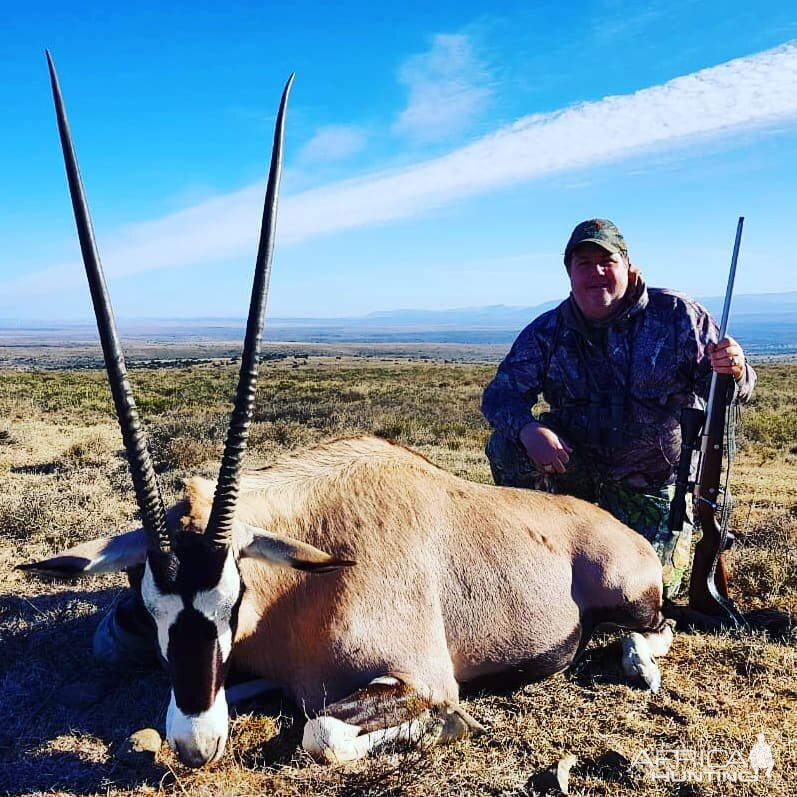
<point x="737" y="97"/>
<point x="614" y="19"/>
<point x="333" y="143"/>
<point x="448" y="86"/>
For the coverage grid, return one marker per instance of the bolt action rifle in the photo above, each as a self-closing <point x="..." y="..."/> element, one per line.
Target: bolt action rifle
<point x="708" y="588"/>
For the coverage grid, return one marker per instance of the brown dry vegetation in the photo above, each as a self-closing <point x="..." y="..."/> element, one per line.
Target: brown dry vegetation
<point x="62" y="718"/>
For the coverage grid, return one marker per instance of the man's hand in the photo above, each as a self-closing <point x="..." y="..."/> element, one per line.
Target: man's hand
<point x="727" y="357"/>
<point x="545" y="448"/>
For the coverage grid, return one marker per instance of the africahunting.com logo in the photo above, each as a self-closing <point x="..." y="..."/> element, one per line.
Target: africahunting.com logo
<point x="711" y="765"/>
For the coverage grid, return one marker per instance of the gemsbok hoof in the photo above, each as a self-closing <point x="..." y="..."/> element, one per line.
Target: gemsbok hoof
<point x="639" y="665"/>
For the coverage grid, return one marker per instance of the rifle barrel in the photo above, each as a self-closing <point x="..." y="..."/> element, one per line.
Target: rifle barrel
<point x="726" y="310"/>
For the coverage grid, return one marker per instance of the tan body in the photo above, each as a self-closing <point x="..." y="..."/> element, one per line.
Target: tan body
<point x="454" y="580"/>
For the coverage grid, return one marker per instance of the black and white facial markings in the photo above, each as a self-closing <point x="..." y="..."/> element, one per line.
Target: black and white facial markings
<point x="195" y="610"/>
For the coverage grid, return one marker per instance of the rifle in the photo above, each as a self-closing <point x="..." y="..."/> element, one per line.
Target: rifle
<point x="708" y="587"/>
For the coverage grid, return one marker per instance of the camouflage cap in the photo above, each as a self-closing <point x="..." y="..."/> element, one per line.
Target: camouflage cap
<point x="597" y="231"/>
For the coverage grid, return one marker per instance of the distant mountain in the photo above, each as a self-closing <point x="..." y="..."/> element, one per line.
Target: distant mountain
<point x="477" y="317"/>
<point x="501" y="315"/>
<point x="490" y="316"/>
<point x="766" y="324"/>
<point x="754" y="304"/>
<point x="513" y="317"/>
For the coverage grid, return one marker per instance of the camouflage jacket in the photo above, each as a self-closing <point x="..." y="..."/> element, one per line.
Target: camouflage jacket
<point x="635" y="373"/>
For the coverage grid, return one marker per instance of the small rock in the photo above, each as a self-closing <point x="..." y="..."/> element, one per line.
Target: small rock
<point x="554" y="779"/>
<point x="80" y="695"/>
<point x="140" y="747"/>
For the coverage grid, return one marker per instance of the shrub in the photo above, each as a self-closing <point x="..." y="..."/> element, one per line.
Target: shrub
<point x="187" y="452"/>
<point x="186" y="441"/>
<point x="770" y="427"/>
<point x="91" y="451"/>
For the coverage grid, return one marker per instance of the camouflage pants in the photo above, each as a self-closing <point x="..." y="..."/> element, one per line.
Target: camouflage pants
<point x="646" y="513"/>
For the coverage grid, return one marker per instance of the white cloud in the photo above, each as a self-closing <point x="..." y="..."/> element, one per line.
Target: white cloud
<point x="333" y="143"/>
<point x="447" y="85"/>
<point x="733" y="98"/>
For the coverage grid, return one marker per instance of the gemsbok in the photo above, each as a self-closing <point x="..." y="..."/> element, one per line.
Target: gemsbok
<point x="430" y="581"/>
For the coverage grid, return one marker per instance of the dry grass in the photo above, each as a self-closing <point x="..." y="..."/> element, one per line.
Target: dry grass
<point x="62" y="718"/>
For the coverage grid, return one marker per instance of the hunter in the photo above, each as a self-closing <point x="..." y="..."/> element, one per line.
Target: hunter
<point x="616" y="362"/>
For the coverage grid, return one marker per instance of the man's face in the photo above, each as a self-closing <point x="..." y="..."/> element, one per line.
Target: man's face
<point x="598" y="280"/>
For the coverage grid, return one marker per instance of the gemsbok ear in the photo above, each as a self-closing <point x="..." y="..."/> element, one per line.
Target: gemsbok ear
<point x="284" y="551"/>
<point x="105" y="555"/>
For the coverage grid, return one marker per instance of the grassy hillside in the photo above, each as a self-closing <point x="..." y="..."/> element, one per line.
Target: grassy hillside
<point x="64" y="479"/>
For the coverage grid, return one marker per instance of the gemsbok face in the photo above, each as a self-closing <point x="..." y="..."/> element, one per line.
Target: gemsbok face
<point x="193" y="597"/>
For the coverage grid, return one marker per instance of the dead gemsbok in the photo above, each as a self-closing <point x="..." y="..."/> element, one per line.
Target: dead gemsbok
<point x="431" y="581"/>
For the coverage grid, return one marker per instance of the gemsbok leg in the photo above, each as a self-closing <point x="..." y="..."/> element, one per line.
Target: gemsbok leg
<point x="386" y="710"/>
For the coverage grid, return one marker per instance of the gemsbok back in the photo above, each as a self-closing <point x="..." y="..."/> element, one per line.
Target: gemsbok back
<point x="430" y="581"/>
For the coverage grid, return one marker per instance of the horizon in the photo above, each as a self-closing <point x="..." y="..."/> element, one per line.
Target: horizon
<point x="450" y="178"/>
<point x="375" y="314"/>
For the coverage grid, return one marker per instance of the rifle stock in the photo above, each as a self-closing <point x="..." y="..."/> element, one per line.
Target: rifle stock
<point x="709" y="549"/>
<point x="708" y="587"/>
<point x="700" y="598"/>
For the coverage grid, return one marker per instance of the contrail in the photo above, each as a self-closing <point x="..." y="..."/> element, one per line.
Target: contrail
<point x="744" y="94"/>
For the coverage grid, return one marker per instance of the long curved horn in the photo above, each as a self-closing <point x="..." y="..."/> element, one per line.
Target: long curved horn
<point x="148" y="495"/>
<point x="219" y="528"/>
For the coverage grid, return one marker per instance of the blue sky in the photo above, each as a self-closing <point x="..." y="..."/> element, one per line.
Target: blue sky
<point x="437" y="154"/>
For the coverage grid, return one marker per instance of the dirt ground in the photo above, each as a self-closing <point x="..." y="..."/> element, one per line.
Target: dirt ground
<point x="64" y="720"/>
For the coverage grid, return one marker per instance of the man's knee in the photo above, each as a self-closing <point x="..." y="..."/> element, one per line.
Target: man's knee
<point x="509" y="463"/>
